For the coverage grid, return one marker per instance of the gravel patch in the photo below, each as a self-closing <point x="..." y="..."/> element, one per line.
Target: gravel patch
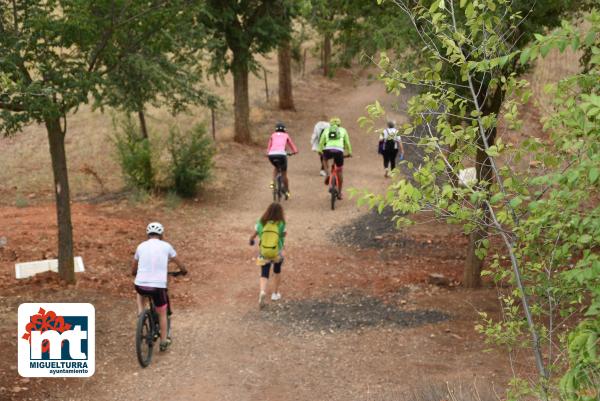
<point x="374" y="230"/>
<point x="347" y="312"/>
<point x="367" y="231"/>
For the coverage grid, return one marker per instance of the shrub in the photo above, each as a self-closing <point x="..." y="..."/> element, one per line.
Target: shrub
<point x="134" y="155"/>
<point x="172" y="200"/>
<point x="191" y="159"/>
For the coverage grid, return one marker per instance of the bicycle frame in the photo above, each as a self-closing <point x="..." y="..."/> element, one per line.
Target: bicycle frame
<point x="334" y="182"/>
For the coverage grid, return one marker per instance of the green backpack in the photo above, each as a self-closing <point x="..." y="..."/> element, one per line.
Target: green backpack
<point x="269" y="240"/>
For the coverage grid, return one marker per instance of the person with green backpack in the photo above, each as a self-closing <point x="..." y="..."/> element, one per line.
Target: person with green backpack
<point x="270" y="229"/>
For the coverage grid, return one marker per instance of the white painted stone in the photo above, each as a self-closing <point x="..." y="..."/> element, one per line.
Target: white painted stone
<point x="28" y="269"/>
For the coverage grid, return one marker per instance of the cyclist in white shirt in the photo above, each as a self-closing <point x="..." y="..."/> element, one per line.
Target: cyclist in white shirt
<point x="150" y="266"/>
<point x="315" y="139"/>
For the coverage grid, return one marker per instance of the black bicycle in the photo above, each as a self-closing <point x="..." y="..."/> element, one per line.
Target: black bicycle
<point x="148" y="329"/>
<point x="279" y="189"/>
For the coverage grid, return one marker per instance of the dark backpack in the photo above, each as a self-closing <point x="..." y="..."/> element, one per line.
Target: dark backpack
<point x="334" y="133"/>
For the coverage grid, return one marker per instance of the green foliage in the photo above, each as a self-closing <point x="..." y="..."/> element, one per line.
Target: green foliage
<point x="298" y="39"/>
<point x="358" y="28"/>
<point x="237" y="31"/>
<point x="114" y="48"/>
<point x="547" y="219"/>
<point x="191" y="160"/>
<point x="159" y="64"/>
<point x="134" y="155"/>
<point x="582" y="381"/>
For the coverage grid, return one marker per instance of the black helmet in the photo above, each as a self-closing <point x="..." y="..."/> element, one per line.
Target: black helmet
<point x="280" y="127"/>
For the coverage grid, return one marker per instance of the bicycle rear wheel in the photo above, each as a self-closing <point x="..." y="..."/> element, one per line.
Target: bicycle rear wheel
<point x="333" y="191"/>
<point x="144" y="340"/>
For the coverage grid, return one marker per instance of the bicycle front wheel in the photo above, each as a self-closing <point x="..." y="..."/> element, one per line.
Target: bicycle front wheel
<point x="144" y="340"/>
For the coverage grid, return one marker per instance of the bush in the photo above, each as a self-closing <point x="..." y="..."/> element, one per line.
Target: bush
<point x="191" y="159"/>
<point x="172" y="200"/>
<point x="134" y="155"/>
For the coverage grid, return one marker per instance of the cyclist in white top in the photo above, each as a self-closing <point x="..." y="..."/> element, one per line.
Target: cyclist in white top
<point x="314" y="142"/>
<point x="150" y="266"/>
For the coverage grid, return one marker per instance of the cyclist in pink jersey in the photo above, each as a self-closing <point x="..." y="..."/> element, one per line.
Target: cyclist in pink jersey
<point x="277" y="154"/>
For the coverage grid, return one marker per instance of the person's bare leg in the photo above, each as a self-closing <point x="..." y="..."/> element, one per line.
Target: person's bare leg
<point x="162" y="319"/>
<point x="140" y="303"/>
<point x="326" y="168"/>
<point x="276" y="282"/>
<point x="263" y="284"/>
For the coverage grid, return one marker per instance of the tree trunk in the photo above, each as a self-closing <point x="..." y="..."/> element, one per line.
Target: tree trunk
<point x="326" y="54"/>
<point x="241" y="102"/>
<point x="485" y="175"/>
<point x="56" y="140"/>
<point x="473" y="264"/>
<point x="284" y="58"/>
<point x="143" y="128"/>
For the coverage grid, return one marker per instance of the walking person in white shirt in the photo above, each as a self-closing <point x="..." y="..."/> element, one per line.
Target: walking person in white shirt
<point x="390" y="143"/>
<point x="149" y="266"/>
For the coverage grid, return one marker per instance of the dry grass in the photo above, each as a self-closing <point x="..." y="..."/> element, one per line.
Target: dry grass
<point x="25" y="161"/>
<point x="441" y="392"/>
<point x="552" y="69"/>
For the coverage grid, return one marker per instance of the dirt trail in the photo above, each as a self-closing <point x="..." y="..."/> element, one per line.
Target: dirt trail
<point x="225" y="349"/>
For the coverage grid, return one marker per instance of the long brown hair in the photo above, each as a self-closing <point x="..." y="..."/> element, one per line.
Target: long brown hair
<point x="273" y="213"/>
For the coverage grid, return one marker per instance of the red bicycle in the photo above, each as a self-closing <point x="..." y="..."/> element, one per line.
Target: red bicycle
<point x="334" y="183"/>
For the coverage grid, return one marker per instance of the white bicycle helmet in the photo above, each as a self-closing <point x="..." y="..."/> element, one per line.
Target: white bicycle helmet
<point x="155" y="228"/>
